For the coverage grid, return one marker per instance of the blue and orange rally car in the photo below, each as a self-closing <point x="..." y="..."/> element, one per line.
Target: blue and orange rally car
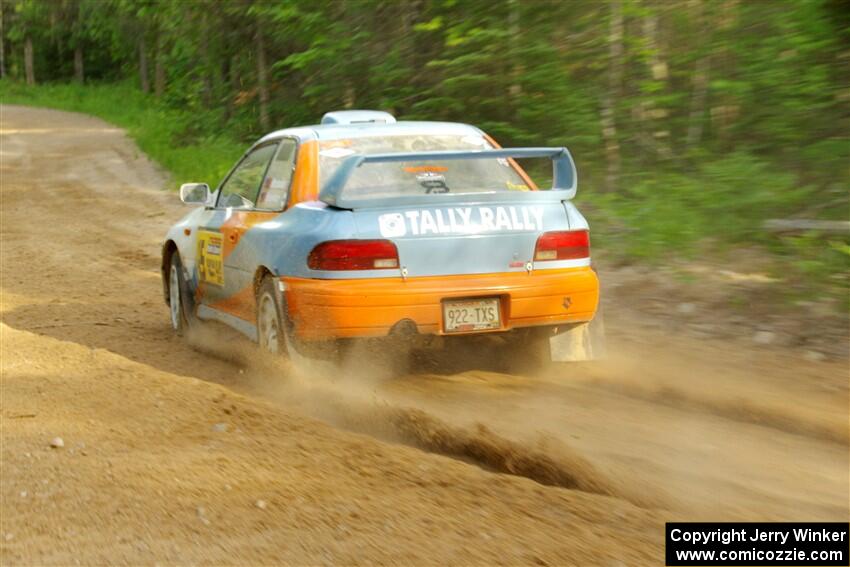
<point x="367" y="227"/>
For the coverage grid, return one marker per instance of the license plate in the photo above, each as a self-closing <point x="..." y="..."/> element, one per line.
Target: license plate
<point x="460" y="315"/>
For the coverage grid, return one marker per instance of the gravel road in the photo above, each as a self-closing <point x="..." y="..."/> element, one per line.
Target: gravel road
<point x="202" y="451"/>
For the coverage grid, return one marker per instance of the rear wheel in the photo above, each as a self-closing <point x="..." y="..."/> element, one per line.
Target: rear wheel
<point x="271" y="332"/>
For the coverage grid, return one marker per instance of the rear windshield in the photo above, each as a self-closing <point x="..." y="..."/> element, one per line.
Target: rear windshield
<point x="379" y="180"/>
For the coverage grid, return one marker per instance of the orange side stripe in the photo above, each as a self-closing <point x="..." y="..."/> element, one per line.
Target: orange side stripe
<point x="241" y="304"/>
<point x="305" y="184"/>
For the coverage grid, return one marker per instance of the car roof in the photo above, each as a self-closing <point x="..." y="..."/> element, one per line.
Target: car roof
<point x="358" y="130"/>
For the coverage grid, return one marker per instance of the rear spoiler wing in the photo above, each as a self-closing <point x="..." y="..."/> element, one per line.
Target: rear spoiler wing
<point x="563" y="186"/>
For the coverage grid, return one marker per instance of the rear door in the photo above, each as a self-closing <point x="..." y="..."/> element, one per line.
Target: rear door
<point x="218" y="277"/>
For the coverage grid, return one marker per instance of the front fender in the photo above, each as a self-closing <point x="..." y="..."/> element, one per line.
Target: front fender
<point x="181" y="237"/>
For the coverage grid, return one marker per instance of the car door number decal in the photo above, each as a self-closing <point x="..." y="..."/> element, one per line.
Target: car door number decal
<point x="210" y="257"/>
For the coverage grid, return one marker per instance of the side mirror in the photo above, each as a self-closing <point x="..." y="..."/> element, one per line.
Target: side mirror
<point x="195" y="193"/>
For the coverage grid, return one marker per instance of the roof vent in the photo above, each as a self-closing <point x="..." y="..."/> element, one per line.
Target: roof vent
<point x="358" y="117"/>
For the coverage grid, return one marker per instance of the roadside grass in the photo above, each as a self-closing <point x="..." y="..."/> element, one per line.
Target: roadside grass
<point x="659" y="217"/>
<point x="715" y="216"/>
<point x="159" y="131"/>
<point x="806" y="266"/>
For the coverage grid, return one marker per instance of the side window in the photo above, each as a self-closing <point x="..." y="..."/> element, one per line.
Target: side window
<point x="275" y="187"/>
<point x="240" y="189"/>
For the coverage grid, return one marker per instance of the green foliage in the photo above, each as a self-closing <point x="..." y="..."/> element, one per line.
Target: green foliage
<point x="812" y="262"/>
<point x="714" y="210"/>
<point x="721" y="114"/>
<point x="726" y="200"/>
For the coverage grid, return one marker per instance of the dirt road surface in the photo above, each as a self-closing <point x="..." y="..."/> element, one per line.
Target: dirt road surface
<point x="202" y="452"/>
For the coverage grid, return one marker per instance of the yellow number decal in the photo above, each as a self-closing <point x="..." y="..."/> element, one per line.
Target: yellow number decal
<point x="210" y="257"/>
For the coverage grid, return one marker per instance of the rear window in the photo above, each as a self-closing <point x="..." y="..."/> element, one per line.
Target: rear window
<point x="379" y="180"/>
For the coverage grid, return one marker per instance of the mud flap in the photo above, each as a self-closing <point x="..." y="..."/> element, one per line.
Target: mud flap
<point x="294" y="348"/>
<point x="579" y="343"/>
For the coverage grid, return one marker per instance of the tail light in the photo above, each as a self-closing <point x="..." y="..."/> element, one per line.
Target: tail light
<point x="565" y="245"/>
<point x="354" y="255"/>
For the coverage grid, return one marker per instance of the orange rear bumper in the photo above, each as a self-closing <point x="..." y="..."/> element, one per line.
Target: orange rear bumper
<point x="328" y="309"/>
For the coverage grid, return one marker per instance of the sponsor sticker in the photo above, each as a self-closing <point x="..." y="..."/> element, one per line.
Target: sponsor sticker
<point x="474" y="141"/>
<point x="433" y="182"/>
<point x="516" y="186"/>
<point x="461" y="220"/>
<point x="426" y="169"/>
<point x="337" y="153"/>
<point x="392" y="225"/>
<point x="210" y="257"/>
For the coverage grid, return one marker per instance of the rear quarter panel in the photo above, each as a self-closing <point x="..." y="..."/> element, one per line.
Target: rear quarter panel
<point x="282" y="244"/>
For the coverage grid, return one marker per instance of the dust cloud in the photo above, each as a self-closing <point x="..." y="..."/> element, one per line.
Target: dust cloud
<point x="662" y="419"/>
<point x="350" y="394"/>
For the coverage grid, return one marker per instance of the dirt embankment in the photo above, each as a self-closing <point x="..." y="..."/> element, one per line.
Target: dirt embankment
<point x="179" y="453"/>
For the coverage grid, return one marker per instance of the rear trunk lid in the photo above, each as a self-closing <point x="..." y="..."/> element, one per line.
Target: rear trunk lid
<point x="453" y="212"/>
<point x="463" y="238"/>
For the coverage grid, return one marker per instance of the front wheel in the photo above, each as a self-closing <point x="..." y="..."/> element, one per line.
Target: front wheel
<point x="271" y="333"/>
<point x="180" y="312"/>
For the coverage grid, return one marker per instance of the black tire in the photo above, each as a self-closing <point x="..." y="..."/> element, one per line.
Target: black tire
<point x="272" y="332"/>
<point x="179" y="300"/>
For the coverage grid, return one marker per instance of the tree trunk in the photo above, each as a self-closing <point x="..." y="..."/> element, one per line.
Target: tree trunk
<point x="699" y="79"/>
<point x="79" y="74"/>
<point x="724" y="111"/>
<point x="143" y="65"/>
<point x="698" y="98"/>
<point x="158" y="70"/>
<point x="206" y="66"/>
<point x="235" y="80"/>
<point x="229" y="65"/>
<point x="654" y="116"/>
<point x="2" y="45"/>
<point x="29" y="68"/>
<point x="609" y="101"/>
<point x="232" y="77"/>
<point x="409" y="13"/>
<point x="159" y="77"/>
<point x="516" y="69"/>
<point x="262" y="83"/>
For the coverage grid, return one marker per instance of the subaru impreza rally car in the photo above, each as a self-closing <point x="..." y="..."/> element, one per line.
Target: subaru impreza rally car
<point x="365" y="227"/>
